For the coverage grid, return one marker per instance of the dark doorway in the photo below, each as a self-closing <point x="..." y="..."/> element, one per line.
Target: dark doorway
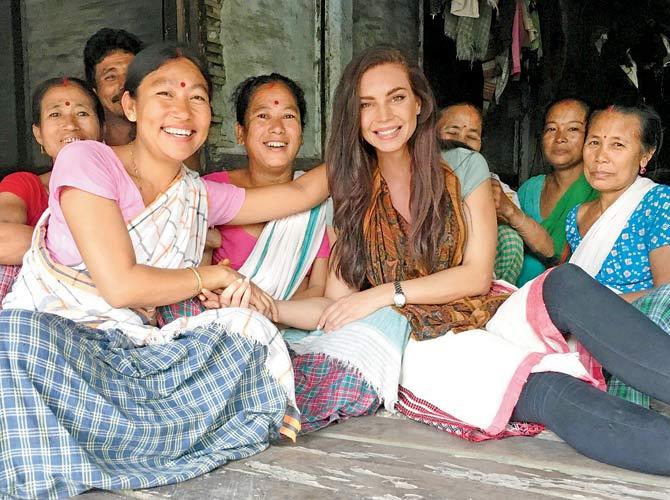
<point x="585" y="46"/>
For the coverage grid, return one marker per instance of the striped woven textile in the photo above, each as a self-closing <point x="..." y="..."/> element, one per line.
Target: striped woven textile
<point x="285" y="251"/>
<point x="617" y="388"/>
<point x="327" y="391"/>
<point x="98" y="397"/>
<point x="183" y="309"/>
<point x="656" y="305"/>
<point x="84" y="408"/>
<point x="509" y="254"/>
<point x="8" y="275"/>
<point x="422" y="411"/>
<point x="169" y="234"/>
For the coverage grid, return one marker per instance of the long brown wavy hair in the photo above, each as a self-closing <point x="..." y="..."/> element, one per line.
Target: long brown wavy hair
<point x="352" y="162"/>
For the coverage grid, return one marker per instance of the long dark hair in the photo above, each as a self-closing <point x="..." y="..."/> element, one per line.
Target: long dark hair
<point x="352" y="161"/>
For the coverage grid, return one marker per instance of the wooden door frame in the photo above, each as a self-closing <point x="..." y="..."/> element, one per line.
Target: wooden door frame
<point x="20" y="98"/>
<point x="184" y="22"/>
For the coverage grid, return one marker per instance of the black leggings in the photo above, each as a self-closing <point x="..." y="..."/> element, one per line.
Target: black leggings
<point x="631" y="347"/>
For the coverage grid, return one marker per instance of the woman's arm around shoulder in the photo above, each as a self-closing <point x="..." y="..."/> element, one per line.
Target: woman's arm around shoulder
<point x="281" y="200"/>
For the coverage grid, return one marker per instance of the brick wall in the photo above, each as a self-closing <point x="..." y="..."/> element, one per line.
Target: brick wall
<point x="217" y="141"/>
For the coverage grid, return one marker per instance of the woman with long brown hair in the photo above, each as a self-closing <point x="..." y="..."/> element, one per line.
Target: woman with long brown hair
<point x="409" y="239"/>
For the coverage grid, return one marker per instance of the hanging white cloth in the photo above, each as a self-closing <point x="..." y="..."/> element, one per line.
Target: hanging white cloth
<point x="465" y="8"/>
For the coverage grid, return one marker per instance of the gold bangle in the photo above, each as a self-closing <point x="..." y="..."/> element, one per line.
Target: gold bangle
<point x="197" y="276"/>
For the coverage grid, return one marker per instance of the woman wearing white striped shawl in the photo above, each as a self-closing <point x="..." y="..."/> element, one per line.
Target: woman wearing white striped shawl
<point x="123" y="403"/>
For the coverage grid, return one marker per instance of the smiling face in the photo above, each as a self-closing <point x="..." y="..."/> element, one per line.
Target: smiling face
<point x="388" y="108"/>
<point x="110" y="77"/>
<point x="67" y="114"/>
<point x="563" y="136"/>
<point x="461" y="123"/>
<point x="271" y="134"/>
<point x="613" y="152"/>
<point x="171" y="110"/>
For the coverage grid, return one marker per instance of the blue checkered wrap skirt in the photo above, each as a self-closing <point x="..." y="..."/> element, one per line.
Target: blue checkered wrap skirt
<point x="83" y="408"/>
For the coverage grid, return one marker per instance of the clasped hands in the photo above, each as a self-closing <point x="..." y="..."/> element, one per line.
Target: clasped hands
<point x="241" y="292"/>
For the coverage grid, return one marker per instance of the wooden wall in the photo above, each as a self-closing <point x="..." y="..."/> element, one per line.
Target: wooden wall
<point x="53" y="35"/>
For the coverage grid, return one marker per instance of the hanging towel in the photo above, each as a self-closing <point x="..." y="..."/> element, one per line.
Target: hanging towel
<point x="465" y="8"/>
<point x="470" y="34"/>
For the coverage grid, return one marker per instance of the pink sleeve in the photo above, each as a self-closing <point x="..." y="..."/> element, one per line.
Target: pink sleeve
<point x="86" y="165"/>
<point x="224" y="202"/>
<point x="92" y="167"/>
<point x="324" y="249"/>
<point x="221" y="176"/>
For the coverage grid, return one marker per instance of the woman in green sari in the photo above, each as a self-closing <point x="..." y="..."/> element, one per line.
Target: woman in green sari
<point x="547" y="199"/>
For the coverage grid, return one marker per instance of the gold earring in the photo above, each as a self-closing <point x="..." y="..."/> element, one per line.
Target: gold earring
<point x="42" y="149"/>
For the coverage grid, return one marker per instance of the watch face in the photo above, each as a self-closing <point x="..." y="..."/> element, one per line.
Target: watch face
<point x="399" y="299"/>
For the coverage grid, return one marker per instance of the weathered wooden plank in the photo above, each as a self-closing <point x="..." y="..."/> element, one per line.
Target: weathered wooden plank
<point x="543" y="452"/>
<point x="384" y="458"/>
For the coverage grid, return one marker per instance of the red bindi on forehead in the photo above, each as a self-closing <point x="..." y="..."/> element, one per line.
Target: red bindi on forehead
<point x="183" y="84"/>
<point x="67" y="103"/>
<point x="276" y="103"/>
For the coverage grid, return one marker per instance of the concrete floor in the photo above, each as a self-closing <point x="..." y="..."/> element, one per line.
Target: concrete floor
<point x="387" y="457"/>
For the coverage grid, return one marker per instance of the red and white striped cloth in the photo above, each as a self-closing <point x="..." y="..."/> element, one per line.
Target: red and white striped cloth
<point x="422" y="411"/>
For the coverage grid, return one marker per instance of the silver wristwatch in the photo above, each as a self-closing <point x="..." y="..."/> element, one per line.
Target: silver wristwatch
<point x="399" y="299"/>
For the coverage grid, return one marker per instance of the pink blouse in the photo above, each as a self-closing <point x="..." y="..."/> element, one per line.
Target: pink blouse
<point x="94" y="167"/>
<point x="236" y="243"/>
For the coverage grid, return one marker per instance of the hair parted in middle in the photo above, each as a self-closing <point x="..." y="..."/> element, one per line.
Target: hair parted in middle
<point x="154" y="56"/>
<point x="245" y="90"/>
<point x="351" y="163"/>
<point x="651" y="125"/>
<point x="63" y="81"/>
